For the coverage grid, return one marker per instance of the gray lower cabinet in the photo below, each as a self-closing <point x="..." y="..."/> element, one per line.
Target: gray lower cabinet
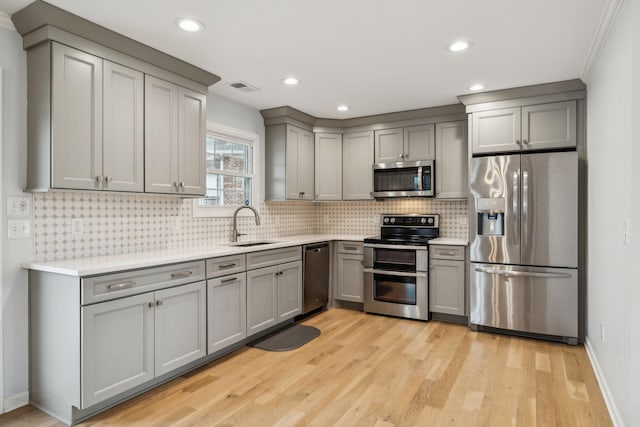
<point x="350" y="274"/>
<point x="226" y="311"/>
<point x="129" y="341"/>
<point x="447" y="280"/>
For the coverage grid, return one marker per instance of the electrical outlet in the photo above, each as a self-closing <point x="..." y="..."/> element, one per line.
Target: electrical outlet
<point x="602" y="331"/>
<point x="77" y="227"/>
<point x="627" y="233"/>
<point x="18" y="229"/>
<point x="463" y="220"/>
<point x="19" y="206"/>
<point x="175" y="223"/>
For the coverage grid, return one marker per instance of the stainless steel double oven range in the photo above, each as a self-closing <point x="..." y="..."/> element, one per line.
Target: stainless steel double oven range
<point x="396" y="266"/>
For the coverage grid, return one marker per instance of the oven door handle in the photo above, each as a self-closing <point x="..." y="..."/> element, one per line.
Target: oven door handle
<point x="394" y="273"/>
<point x="401" y="247"/>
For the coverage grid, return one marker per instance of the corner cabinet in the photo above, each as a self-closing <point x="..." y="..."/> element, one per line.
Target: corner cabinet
<point x="289" y="163"/>
<point x="357" y="158"/>
<point x="451" y="165"/>
<point x="328" y="166"/>
<point x="96" y="122"/>
<point x="532" y="127"/>
<point x="175" y="126"/>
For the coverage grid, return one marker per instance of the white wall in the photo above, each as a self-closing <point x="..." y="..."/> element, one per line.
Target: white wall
<point x="612" y="294"/>
<point x="14" y="177"/>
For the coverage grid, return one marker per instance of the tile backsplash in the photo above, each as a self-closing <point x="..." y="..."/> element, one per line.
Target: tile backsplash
<point x="114" y="223"/>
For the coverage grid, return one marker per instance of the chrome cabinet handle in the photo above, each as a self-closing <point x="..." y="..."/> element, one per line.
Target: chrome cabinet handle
<point x="107" y="178"/>
<point x="447" y="253"/>
<point x="150" y="305"/>
<point x="350" y="248"/>
<point x="180" y="274"/>
<point x="227" y="281"/>
<point x="524" y="141"/>
<point x="401" y="155"/>
<point x="123" y="285"/>
<point x="99" y="179"/>
<point x="181" y="184"/>
<point x="508" y="273"/>
<point x="518" y="142"/>
<point x="159" y="302"/>
<point x="225" y="266"/>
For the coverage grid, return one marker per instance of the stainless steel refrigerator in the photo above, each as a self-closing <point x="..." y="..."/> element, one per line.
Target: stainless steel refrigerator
<point x="524" y="244"/>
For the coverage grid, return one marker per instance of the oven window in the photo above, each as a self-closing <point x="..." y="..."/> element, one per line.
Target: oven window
<point x="400" y="179"/>
<point x="395" y="259"/>
<point x="394" y="289"/>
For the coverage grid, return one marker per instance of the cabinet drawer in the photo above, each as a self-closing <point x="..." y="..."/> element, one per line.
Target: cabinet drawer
<point x="272" y="257"/>
<point x="350" y="248"/>
<point x="446" y="252"/>
<point x="222" y="266"/>
<point x="118" y="285"/>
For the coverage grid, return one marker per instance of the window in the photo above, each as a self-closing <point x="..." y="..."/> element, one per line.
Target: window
<point x="231" y="160"/>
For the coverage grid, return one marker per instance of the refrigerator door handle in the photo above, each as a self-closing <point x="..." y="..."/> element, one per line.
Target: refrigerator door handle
<point x="525" y="207"/>
<point x="523" y="273"/>
<point x="516" y="232"/>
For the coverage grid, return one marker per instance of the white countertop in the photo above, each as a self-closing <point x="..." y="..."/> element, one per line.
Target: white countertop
<point x="448" y="241"/>
<point x="112" y="263"/>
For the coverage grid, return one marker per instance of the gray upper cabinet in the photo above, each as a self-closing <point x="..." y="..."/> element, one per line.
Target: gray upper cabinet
<point x="123" y="128"/>
<point x="76" y="119"/>
<point x="289" y="163"/>
<point x="357" y="159"/>
<point x="534" y="127"/>
<point x="175" y="126"/>
<point x="328" y="166"/>
<point x="409" y="144"/>
<point x="451" y="160"/>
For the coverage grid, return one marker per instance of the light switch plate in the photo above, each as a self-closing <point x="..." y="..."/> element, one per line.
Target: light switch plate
<point x="18" y="229"/>
<point x="19" y="206"/>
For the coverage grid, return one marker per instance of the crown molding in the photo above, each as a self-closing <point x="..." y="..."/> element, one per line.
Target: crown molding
<point x="607" y="19"/>
<point x="5" y="21"/>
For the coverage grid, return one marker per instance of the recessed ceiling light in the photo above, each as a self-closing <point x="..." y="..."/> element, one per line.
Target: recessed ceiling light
<point x="291" y="81"/>
<point x="476" y="87"/>
<point x="458" y="46"/>
<point x="343" y="107"/>
<point x="190" y="25"/>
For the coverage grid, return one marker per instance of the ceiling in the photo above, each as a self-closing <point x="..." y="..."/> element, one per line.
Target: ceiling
<point x="377" y="56"/>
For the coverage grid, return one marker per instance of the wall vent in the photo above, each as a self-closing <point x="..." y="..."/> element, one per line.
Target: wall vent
<point x="243" y="86"/>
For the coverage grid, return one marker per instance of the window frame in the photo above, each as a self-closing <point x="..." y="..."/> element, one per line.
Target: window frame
<point x="251" y="139"/>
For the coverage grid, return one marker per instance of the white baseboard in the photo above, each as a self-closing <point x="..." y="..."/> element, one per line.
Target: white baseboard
<point x="604" y="387"/>
<point x="16" y="401"/>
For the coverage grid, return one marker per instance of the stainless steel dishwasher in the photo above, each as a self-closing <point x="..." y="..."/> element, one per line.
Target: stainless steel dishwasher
<point x="316" y="276"/>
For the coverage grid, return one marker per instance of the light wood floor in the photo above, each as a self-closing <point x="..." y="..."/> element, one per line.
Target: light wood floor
<point x="367" y="370"/>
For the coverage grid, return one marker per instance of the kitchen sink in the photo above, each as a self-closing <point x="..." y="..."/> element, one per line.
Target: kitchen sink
<point x="251" y="243"/>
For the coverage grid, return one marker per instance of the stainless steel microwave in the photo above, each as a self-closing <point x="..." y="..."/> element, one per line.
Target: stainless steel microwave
<point x="403" y="179"/>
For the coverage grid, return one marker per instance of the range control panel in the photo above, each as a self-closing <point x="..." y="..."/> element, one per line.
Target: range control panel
<point x="430" y="220"/>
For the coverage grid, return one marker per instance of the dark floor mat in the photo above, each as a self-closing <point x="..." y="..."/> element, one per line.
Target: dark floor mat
<point x="287" y="339"/>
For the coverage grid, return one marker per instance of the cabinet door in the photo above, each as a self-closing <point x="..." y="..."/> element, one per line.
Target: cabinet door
<point x="350" y="277"/>
<point x="496" y="131"/>
<point x="328" y="166"/>
<point x="76" y="119"/>
<point x="452" y="168"/>
<point x="123" y="128"/>
<point x="289" y="290"/>
<point x="117" y="347"/>
<point x="307" y="164"/>
<point x="180" y="326"/>
<point x="446" y="287"/>
<point x="419" y="143"/>
<point x="161" y="136"/>
<point x="261" y="299"/>
<point x="548" y="126"/>
<point x="357" y="161"/>
<point x="192" y="122"/>
<point x="389" y="145"/>
<point x="292" y="165"/>
<point x="226" y="311"/>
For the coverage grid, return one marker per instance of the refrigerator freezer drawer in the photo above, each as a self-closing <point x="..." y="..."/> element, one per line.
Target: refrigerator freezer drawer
<point x="527" y="299"/>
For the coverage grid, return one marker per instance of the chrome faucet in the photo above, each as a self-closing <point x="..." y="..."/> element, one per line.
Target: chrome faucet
<point x="234" y="233"/>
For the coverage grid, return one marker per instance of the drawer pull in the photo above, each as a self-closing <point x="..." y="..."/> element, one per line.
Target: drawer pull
<point x="227" y="281"/>
<point x="350" y="248"/>
<point x="447" y="253"/>
<point x="123" y="285"/>
<point x="180" y="274"/>
<point x="225" y="266"/>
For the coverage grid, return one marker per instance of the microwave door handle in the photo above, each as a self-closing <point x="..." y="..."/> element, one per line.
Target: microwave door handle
<point x="420" y="178"/>
<point x="516" y="212"/>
